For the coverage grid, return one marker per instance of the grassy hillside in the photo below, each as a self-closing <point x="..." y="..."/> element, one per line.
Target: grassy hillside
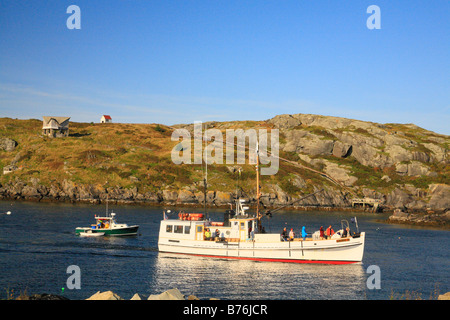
<point x="125" y="155"/>
<point x="138" y="156"/>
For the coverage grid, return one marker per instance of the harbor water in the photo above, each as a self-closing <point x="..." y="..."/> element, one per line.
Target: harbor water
<point x="38" y="244"/>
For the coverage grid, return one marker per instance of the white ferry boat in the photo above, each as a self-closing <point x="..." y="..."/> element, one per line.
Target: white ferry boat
<point x="235" y="238"/>
<point x="241" y="236"/>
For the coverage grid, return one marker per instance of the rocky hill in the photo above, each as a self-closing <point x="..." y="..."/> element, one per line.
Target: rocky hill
<point x="402" y="166"/>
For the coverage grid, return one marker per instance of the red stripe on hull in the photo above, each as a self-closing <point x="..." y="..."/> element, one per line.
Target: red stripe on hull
<point x="269" y="259"/>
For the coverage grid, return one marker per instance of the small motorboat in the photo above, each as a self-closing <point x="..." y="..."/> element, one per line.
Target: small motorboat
<point x="107" y="226"/>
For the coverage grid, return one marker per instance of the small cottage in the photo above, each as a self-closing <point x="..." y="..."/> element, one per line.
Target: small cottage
<point x="55" y="127"/>
<point x="9" y="169"/>
<point x="105" y="119"/>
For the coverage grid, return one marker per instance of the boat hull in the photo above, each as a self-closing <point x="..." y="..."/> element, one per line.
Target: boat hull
<point x="114" y="232"/>
<point x="334" y="251"/>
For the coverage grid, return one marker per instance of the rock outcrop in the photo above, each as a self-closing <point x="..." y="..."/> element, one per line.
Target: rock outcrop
<point x="106" y="295"/>
<point x="171" y="294"/>
<point x="7" y="144"/>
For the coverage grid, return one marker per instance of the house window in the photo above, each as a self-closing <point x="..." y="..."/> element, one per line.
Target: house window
<point x="169" y="228"/>
<point x="178" y="229"/>
<point x="187" y="229"/>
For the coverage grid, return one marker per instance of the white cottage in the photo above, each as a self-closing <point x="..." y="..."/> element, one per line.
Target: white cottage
<point x="105" y="119"/>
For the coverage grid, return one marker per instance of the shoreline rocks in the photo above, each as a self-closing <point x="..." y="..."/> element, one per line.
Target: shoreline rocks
<point x="427" y="207"/>
<point x="171" y="294"/>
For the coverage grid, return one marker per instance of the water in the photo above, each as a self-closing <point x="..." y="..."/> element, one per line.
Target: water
<point x="37" y="244"/>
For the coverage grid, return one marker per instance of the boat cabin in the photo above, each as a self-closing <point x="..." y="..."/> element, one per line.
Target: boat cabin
<point x="238" y="229"/>
<point x="102" y="222"/>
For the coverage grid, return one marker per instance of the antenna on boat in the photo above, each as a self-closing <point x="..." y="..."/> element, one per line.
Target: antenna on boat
<point x="107" y="197"/>
<point x="205" y="179"/>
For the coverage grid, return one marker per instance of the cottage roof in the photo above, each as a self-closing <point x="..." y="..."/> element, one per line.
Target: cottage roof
<point x="55" y="122"/>
<point x="107" y="117"/>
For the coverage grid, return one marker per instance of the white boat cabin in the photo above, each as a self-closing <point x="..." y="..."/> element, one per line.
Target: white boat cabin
<point x="235" y="229"/>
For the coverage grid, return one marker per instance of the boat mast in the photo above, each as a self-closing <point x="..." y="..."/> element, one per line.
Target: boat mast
<point x="258" y="193"/>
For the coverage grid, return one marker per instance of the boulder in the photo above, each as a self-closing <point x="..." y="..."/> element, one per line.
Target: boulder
<point x="305" y="142"/>
<point x="7" y="144"/>
<point x="30" y="192"/>
<point x="152" y="197"/>
<point x="398" y="215"/>
<point x="284" y="121"/>
<point x="169" y="196"/>
<point x="440" y="196"/>
<point x="137" y="296"/>
<point x="340" y="173"/>
<point x="172" y="294"/>
<point x="445" y="296"/>
<point x="342" y="150"/>
<point x="413" y="168"/>
<point x="106" y="295"/>
<point x="398" y="153"/>
<point x="438" y="154"/>
<point x="281" y="197"/>
<point x="398" y="198"/>
<point x="223" y="198"/>
<point x="370" y="156"/>
<point x="186" y="196"/>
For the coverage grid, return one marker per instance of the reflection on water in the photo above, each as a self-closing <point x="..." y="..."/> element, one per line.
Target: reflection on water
<point x="244" y="279"/>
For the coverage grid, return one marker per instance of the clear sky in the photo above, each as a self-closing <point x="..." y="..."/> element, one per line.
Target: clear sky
<point x="165" y="61"/>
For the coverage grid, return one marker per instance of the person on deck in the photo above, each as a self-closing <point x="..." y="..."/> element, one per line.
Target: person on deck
<point x="329" y="232"/>
<point x="345" y="233"/>
<point x="304" y="234"/>
<point x="322" y="233"/>
<point x="291" y="235"/>
<point x="207" y="234"/>
<point x="284" y="234"/>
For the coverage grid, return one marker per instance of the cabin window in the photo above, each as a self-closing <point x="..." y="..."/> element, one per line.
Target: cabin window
<point x="242" y="225"/>
<point x="199" y="228"/>
<point x="169" y="228"/>
<point x="178" y="229"/>
<point x="187" y="229"/>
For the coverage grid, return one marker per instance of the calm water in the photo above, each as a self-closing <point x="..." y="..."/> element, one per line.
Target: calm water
<point x="37" y="244"/>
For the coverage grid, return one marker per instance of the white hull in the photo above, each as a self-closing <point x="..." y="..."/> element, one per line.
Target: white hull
<point x="91" y="234"/>
<point x="334" y="251"/>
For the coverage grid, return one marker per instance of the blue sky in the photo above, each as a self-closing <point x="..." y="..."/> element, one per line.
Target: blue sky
<point x="182" y="61"/>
